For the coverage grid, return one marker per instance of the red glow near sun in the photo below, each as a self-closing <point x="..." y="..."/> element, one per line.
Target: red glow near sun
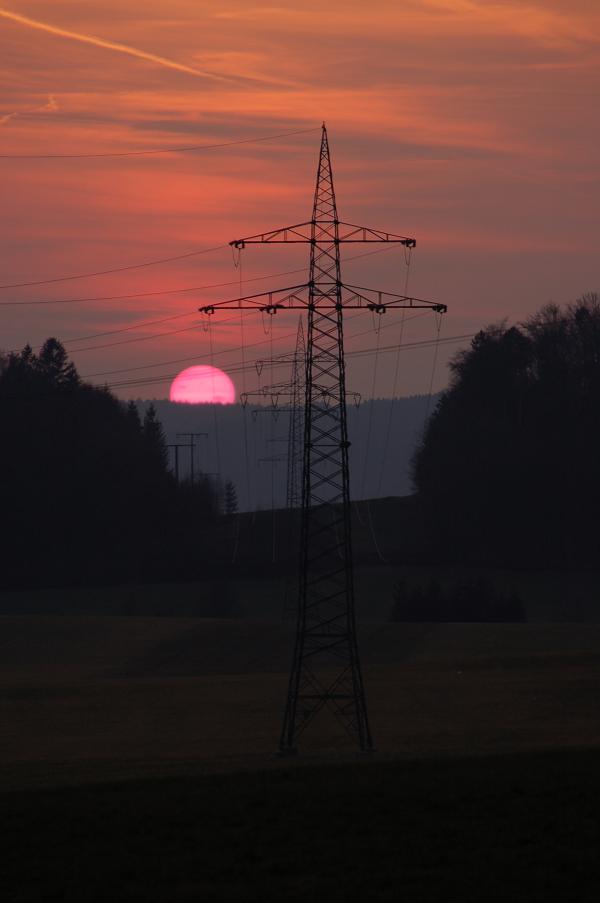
<point x="202" y="385"/>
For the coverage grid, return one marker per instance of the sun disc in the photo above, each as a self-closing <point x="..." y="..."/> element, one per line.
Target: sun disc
<point x="202" y="385"/>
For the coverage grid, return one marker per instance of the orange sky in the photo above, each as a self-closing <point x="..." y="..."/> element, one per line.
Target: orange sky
<point x="471" y="125"/>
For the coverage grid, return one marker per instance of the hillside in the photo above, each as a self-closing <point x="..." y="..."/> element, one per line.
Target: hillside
<point x="223" y="451"/>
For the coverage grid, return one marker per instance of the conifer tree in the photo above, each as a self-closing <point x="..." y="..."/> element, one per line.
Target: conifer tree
<point x="154" y="438"/>
<point x="231" y="499"/>
<point x="53" y="363"/>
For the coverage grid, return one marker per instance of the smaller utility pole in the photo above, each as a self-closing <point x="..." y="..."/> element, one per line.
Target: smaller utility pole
<point x="177" y="446"/>
<point x="191" y="445"/>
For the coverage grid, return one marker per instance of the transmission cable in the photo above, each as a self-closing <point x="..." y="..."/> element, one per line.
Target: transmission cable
<point x="376" y="545"/>
<point x="236" y="367"/>
<point x="372" y="405"/>
<point x="214" y="407"/>
<point x="131" y="266"/>
<point x="273" y="464"/>
<point x="196" y="357"/>
<point x="368" y="446"/>
<point x="237" y="262"/>
<point x="407" y="261"/>
<point x="434" y="364"/>
<point x="363" y="352"/>
<point x="161" y="150"/>
<point x="153" y="294"/>
<point x="244" y="414"/>
<point x="149" y="338"/>
<point x="109" y="332"/>
<point x="139" y="338"/>
<point x="177" y="360"/>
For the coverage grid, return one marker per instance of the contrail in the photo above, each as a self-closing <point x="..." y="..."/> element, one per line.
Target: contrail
<point x="50" y="106"/>
<point x="112" y="45"/>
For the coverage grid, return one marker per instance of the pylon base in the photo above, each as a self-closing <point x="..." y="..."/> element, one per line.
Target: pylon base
<point x="287" y="752"/>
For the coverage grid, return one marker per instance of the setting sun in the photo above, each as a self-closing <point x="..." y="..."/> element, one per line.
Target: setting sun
<point x="202" y="385"/>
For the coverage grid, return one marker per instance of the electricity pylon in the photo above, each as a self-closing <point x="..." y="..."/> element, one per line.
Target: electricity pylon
<point x="294" y="392"/>
<point x="192" y="447"/>
<point x="177" y="446"/>
<point x="325" y="668"/>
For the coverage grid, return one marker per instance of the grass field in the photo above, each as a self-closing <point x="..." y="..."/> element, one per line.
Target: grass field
<point x="547" y="596"/>
<point x="138" y="763"/>
<point x="519" y="828"/>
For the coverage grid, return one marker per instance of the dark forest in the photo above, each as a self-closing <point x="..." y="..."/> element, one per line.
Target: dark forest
<point x="507" y="470"/>
<point x="86" y="494"/>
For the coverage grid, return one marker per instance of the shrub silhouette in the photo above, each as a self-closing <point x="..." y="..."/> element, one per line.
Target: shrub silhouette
<point x="471" y="600"/>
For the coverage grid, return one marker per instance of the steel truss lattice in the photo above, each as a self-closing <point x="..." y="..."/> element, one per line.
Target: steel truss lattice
<point x="325" y="669"/>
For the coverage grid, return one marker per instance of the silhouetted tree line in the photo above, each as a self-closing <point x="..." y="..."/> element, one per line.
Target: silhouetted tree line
<point x="507" y="471"/>
<point x="470" y="600"/>
<point x="85" y="491"/>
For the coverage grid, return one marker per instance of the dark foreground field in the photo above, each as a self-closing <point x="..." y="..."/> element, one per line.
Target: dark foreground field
<point x="136" y="763"/>
<point x="519" y="828"/>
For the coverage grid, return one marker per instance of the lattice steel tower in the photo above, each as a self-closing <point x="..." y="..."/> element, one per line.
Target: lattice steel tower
<point x="325" y="669"/>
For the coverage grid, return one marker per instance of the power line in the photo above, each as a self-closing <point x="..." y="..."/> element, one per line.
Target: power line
<point x="144" y="323"/>
<point x="131" y="266"/>
<point x="139" y="338"/>
<point x="159" y="335"/>
<point x="100" y="335"/>
<point x="147" y="338"/>
<point x="236" y="367"/>
<point x="131" y="295"/>
<point x="153" y="294"/>
<point x="181" y="360"/>
<point x="156" y="151"/>
<point x="197" y="357"/>
<point x="189" y="328"/>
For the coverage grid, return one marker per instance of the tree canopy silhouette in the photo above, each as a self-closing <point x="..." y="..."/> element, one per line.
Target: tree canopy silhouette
<point x="86" y="494"/>
<point x="507" y="470"/>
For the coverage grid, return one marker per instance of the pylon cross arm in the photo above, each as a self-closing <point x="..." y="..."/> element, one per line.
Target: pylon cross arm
<point x="304" y="232"/>
<point x="378" y="301"/>
<point x="263" y="302"/>
<point x="350" y="232"/>
<point x="299" y="232"/>
<point x="297" y="297"/>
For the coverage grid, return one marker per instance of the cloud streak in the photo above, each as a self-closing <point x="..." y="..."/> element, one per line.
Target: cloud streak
<point x="468" y="123"/>
<point x="49" y="107"/>
<point x="112" y="45"/>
